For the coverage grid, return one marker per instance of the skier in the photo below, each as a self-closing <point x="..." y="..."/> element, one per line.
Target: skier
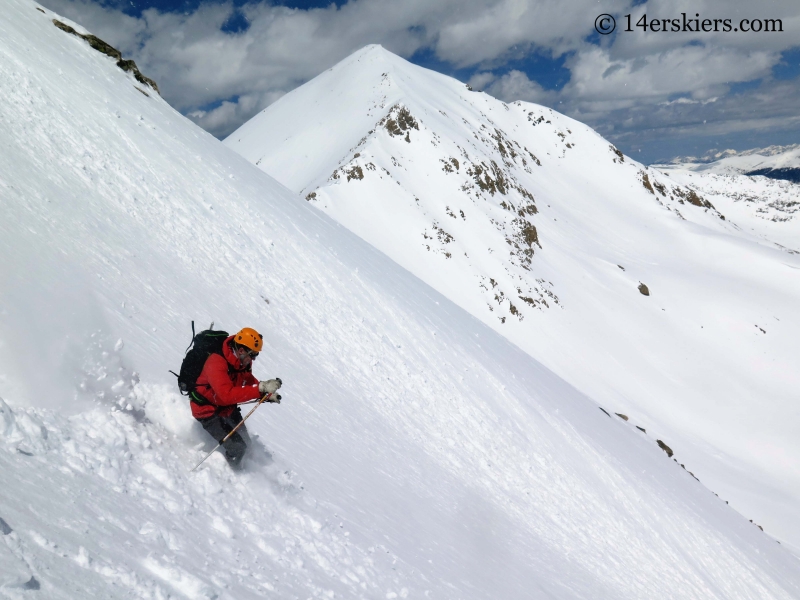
<point x="226" y="381"/>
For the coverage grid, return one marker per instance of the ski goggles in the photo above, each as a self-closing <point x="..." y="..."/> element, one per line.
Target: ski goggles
<point x="251" y="353"/>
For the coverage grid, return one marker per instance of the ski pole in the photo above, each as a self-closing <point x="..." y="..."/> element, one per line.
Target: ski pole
<point x="264" y="398"/>
<point x="277" y="400"/>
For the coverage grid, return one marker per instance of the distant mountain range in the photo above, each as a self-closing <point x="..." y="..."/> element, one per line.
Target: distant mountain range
<point x="775" y="162"/>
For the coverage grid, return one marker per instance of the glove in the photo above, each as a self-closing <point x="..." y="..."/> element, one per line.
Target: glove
<point x="275" y="399"/>
<point x="270" y="386"/>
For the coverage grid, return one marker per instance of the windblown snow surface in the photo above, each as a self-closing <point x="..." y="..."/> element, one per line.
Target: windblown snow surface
<point x="416" y="453"/>
<point x="544" y="231"/>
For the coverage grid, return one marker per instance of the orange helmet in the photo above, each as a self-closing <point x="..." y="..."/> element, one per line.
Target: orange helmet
<point x="250" y="338"/>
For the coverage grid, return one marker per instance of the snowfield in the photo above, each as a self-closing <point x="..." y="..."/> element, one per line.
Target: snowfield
<point x="672" y="303"/>
<point x="417" y="453"/>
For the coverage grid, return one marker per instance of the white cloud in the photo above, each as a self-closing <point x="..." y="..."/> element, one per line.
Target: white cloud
<point x="700" y="71"/>
<point x="515" y="85"/>
<point x="479" y="81"/>
<point x="485" y="32"/>
<point x="229" y="115"/>
<point x="687" y="101"/>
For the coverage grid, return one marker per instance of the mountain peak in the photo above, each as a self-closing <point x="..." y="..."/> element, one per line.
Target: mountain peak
<point x="373" y="49"/>
<point x="351" y="97"/>
<point x="369" y="58"/>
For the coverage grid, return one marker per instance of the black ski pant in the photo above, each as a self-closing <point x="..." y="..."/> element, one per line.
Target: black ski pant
<point x="218" y="427"/>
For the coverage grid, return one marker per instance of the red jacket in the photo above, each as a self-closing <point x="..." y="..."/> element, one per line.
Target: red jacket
<point x="223" y="383"/>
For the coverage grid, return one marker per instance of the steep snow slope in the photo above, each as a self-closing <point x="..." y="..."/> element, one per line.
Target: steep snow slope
<point x="416" y="453"/>
<point x="543" y="230"/>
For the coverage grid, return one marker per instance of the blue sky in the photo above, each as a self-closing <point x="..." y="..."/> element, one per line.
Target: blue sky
<point x="654" y="95"/>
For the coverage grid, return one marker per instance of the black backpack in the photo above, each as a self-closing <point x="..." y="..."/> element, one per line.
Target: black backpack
<point x="203" y="345"/>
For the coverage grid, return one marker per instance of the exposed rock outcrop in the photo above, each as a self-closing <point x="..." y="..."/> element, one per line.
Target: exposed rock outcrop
<point x="95" y="42"/>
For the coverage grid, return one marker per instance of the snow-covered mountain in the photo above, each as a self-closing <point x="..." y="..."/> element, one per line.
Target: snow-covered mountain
<point x="758" y="189"/>
<point x="416" y="452"/>
<point x="774" y="162"/>
<point x="623" y="280"/>
<point x="767" y="208"/>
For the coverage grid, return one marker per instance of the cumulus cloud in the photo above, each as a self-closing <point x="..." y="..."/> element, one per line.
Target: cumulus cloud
<point x="480" y="80"/>
<point x="514" y="85"/>
<point x="485" y="32"/>
<point x="230" y="114"/>
<point x="699" y="71"/>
